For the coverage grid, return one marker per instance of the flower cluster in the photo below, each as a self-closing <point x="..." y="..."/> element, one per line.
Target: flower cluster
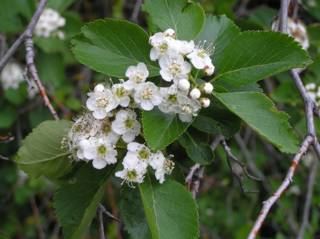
<point x="49" y="23"/>
<point x="12" y="76"/>
<point x="176" y="58"/>
<point x="297" y="30"/>
<point x="111" y="123"/>
<point x="314" y="92"/>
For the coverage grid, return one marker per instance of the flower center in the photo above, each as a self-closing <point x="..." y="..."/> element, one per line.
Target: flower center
<point x="102" y="150"/>
<point x="121" y="92"/>
<point x="163" y="47"/>
<point x="175" y="69"/>
<point x="102" y="102"/>
<point x="147" y="94"/>
<point x="144" y="154"/>
<point x="129" y="123"/>
<point x="172" y="98"/>
<point x="132" y="175"/>
<point x="138" y="78"/>
<point x="186" y="109"/>
<point x="202" y="53"/>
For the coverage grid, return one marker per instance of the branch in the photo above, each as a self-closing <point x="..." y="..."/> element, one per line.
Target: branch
<point x="101" y="224"/>
<point x="284" y="185"/>
<point x="33" y="72"/>
<point x="107" y="213"/>
<point x="307" y="205"/>
<point x="193" y="179"/>
<point x="311" y="138"/>
<point x="4" y="60"/>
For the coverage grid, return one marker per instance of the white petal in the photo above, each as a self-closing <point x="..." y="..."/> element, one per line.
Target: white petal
<point x="99" y="164"/>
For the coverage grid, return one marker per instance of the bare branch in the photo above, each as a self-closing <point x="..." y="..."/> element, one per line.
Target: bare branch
<point x="136" y="10"/>
<point x="284" y="185"/>
<point x="193" y="179"/>
<point x="101" y="223"/>
<point x="231" y="156"/>
<point x="4" y="60"/>
<point x="283" y="18"/>
<point x="307" y="205"/>
<point x="107" y="213"/>
<point x="33" y="72"/>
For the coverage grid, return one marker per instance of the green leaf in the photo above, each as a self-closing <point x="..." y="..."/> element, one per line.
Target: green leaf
<point x="17" y="96"/>
<point x="77" y="199"/>
<point x="186" y="18"/>
<point x="41" y="153"/>
<point x="8" y="116"/>
<point x="59" y="5"/>
<point x="110" y="46"/>
<point x="217" y="119"/>
<point x="197" y="151"/>
<point x="252" y="56"/>
<point x="132" y="214"/>
<point x="170" y="210"/>
<point x="218" y="30"/>
<point x="260" y="113"/>
<point x="161" y="129"/>
<point x="51" y="68"/>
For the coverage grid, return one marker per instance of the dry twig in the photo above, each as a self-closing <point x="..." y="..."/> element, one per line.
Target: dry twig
<point x="310" y="139"/>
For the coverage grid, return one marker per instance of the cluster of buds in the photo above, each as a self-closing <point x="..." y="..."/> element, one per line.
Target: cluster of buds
<point x="49" y="23"/>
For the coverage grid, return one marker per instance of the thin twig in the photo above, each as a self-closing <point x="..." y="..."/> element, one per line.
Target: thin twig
<point x="101" y="223"/>
<point x="107" y="213"/>
<point x="311" y="138"/>
<point x="307" y="204"/>
<point x="283" y="18"/>
<point x="136" y="11"/>
<point x="284" y="185"/>
<point x="230" y="155"/>
<point x="36" y="215"/>
<point x="194" y="178"/>
<point x="33" y="72"/>
<point x="4" y="60"/>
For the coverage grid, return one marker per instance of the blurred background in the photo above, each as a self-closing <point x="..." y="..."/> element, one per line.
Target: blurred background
<point x="228" y="200"/>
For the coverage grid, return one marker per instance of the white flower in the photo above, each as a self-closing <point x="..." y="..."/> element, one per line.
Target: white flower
<point x="187" y="108"/>
<point x="207" y="88"/>
<point x="200" y="58"/>
<point x="169" y="102"/>
<point x="136" y="74"/>
<point x="195" y="93"/>
<point x="310" y="86"/>
<point x="99" y="150"/>
<point x="161" y="44"/>
<point x="174" y="67"/>
<point x="11" y="76"/>
<point x="182" y="47"/>
<point x="134" y="169"/>
<point x="147" y="95"/>
<point x="141" y="151"/>
<point x="161" y="165"/>
<point x="205" y="102"/>
<point x="127" y="125"/>
<point x="184" y="85"/>
<point x="121" y="95"/>
<point x="101" y="102"/>
<point x="49" y="23"/>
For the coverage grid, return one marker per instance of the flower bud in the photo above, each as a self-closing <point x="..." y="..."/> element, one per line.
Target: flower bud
<point x="184" y="85"/>
<point x="207" y="88"/>
<point x="205" y="102"/>
<point x="195" y="93"/>
<point x="209" y="70"/>
<point x="99" y="88"/>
